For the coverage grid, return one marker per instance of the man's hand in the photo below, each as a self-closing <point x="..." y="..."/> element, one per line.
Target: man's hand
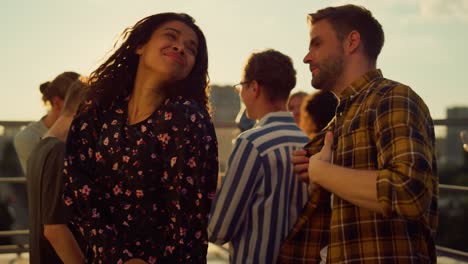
<point x="325" y="155"/>
<point x="300" y="162"/>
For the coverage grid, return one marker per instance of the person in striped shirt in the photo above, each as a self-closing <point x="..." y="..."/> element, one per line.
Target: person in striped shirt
<point x="260" y="197"/>
<point x="377" y="165"/>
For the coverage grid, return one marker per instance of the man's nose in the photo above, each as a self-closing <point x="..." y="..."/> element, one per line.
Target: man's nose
<point x="307" y="58"/>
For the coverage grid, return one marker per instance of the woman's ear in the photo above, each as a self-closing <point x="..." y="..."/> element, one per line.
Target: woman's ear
<point x="139" y="50"/>
<point x="56" y="103"/>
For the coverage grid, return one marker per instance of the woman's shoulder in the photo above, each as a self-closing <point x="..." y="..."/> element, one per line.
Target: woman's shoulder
<point x="87" y="111"/>
<point x="187" y="113"/>
<point x="87" y="105"/>
<point x="184" y="107"/>
<point x="91" y="108"/>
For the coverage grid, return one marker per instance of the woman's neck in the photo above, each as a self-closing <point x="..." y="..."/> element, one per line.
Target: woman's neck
<point x="146" y="97"/>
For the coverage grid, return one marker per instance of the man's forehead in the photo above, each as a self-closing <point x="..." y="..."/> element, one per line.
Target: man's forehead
<point x="319" y="28"/>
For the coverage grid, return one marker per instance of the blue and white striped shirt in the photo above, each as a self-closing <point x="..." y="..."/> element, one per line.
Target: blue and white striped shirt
<point x="260" y="198"/>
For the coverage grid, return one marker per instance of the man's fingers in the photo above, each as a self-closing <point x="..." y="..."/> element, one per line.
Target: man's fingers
<point x="326" y="152"/>
<point x="299" y="152"/>
<point x="299" y="157"/>
<point x="328" y="140"/>
<point x="302" y="168"/>
<point x="304" y="177"/>
<point x="298" y="160"/>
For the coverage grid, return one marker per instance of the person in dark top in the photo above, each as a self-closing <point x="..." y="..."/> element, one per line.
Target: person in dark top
<point x="317" y="110"/>
<point x="51" y="240"/>
<point x="141" y="161"/>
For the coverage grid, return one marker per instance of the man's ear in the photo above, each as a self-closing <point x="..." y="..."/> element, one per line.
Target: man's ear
<point x="255" y="88"/>
<point x="352" y="42"/>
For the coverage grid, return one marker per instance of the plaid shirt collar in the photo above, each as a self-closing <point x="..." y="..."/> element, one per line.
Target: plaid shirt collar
<point x="360" y="84"/>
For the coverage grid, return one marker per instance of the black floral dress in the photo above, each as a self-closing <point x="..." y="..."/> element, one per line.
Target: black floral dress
<point x="142" y="190"/>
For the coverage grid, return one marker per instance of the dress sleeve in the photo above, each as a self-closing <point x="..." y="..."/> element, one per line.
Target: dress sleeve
<point x="86" y="203"/>
<point x="405" y="145"/>
<point x="190" y="173"/>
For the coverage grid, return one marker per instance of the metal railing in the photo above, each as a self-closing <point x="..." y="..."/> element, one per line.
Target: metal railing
<point x="452" y="253"/>
<point x="13" y="180"/>
<point x="16" y="248"/>
<point x="453" y="187"/>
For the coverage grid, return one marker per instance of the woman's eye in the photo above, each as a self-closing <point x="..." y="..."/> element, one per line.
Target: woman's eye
<point x="193" y="51"/>
<point x="171" y="36"/>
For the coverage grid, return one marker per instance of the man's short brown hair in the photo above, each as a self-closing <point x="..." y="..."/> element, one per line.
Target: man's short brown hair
<point x="347" y="18"/>
<point x="274" y="71"/>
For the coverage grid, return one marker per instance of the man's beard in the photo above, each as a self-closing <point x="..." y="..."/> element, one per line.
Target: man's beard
<point x="329" y="73"/>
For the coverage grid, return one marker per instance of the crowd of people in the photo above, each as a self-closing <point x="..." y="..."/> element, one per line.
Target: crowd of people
<point x="124" y="166"/>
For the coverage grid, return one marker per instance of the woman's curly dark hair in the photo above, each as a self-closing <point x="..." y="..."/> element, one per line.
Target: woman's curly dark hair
<point x="116" y="76"/>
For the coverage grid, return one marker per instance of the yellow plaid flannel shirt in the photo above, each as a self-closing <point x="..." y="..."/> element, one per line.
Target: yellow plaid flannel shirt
<point x="379" y="125"/>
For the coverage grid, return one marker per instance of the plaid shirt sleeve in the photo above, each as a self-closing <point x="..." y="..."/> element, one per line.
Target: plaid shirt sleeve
<point x="404" y="132"/>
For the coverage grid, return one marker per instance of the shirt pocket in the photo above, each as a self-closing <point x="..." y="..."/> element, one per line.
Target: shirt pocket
<point x="356" y="149"/>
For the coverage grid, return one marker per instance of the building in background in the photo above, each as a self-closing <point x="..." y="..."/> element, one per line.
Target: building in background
<point x="226" y="105"/>
<point x="454" y="153"/>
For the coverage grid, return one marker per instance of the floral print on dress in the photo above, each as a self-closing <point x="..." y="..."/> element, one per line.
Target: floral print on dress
<point x="142" y="190"/>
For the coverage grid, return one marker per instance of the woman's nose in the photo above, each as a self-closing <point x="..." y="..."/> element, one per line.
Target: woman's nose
<point x="178" y="48"/>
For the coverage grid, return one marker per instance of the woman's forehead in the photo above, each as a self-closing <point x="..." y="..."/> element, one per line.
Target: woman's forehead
<point x="179" y="28"/>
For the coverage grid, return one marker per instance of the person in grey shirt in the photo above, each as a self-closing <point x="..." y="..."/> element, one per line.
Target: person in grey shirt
<point x="53" y="94"/>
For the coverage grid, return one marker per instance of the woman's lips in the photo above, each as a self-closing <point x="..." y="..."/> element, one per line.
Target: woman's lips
<point x="176" y="57"/>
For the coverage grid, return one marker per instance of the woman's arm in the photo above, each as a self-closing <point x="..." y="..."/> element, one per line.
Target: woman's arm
<point x="64" y="243"/>
<point x="82" y="196"/>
